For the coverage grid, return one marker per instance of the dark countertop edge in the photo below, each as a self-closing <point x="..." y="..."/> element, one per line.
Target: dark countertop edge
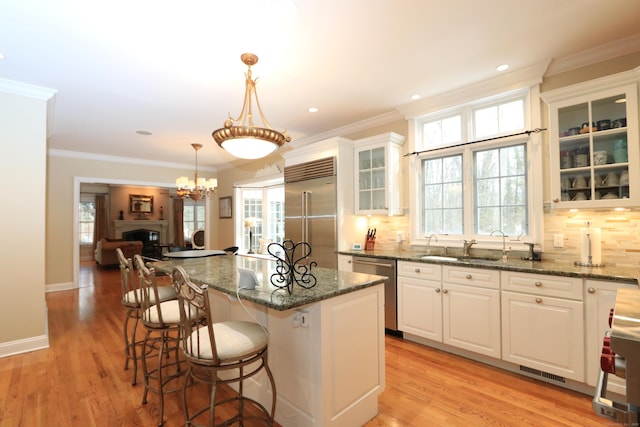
<point x="246" y="294"/>
<point x="535" y="267"/>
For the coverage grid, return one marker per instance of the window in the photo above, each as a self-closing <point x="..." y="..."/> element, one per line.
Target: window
<point x="87" y="220"/>
<point x="472" y="190"/>
<point x="263" y="213"/>
<point x="193" y="218"/>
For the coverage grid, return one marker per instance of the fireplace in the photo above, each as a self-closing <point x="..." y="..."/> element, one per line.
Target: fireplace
<point x="149" y="238"/>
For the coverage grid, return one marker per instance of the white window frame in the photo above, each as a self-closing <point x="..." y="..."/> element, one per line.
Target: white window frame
<point x="241" y="231"/>
<point x="534" y="171"/>
<point x="197" y="219"/>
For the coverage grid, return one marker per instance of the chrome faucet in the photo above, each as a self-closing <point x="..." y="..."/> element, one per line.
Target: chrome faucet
<point x="505" y="251"/>
<point x="429" y="237"/>
<point x="466" y="246"/>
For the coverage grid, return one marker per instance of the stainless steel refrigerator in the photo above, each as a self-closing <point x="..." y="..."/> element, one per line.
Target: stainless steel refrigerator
<point x="310" y="208"/>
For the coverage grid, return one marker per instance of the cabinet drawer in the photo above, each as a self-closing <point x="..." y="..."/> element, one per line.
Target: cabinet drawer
<point x="543" y="284"/>
<point x="471" y="276"/>
<point x="420" y="270"/>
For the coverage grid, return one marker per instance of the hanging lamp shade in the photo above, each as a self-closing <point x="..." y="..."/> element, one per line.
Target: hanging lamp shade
<point x="241" y="137"/>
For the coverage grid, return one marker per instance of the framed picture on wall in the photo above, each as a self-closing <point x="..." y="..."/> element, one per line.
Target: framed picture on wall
<point x="225" y="207"/>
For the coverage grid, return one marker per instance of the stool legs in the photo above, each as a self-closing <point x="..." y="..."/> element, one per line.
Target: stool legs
<point x="164" y="344"/>
<point x="130" y="343"/>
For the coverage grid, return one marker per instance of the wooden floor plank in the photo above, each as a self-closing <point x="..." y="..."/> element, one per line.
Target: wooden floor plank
<point x="80" y="380"/>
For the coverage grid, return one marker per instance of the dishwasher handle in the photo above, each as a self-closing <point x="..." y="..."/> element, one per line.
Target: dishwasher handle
<point x="376" y="264"/>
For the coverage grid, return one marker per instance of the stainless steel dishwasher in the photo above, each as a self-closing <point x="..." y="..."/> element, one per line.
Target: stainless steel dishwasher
<point x="383" y="267"/>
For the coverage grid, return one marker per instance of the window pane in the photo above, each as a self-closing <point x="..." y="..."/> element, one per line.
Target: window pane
<point x="446" y="131"/>
<point x="501" y="192"/>
<point x="500" y="118"/>
<point x="511" y="116"/>
<point x="486" y="121"/>
<point x="442" y="195"/>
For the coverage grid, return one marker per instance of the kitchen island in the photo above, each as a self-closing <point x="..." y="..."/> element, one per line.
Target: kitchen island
<point x="326" y="344"/>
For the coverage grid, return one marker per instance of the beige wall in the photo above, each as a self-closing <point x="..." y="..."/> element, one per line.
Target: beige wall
<point x="60" y="195"/>
<point x="23" y="118"/>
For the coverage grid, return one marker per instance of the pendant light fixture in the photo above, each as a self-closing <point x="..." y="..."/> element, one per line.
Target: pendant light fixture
<point x="199" y="188"/>
<point x="241" y="137"/>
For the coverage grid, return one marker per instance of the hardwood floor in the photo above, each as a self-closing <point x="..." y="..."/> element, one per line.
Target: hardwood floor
<point x="80" y="380"/>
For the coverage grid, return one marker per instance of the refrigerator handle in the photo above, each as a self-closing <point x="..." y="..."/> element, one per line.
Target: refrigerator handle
<point x="305" y="216"/>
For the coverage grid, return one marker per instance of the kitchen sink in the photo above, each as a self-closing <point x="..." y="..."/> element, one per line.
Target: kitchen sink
<point x="439" y="258"/>
<point x="470" y="259"/>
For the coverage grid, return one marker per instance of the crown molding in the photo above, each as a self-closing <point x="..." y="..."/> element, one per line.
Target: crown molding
<point x="381" y="119"/>
<point x="125" y="160"/>
<point x="25" y="89"/>
<point x="597" y="54"/>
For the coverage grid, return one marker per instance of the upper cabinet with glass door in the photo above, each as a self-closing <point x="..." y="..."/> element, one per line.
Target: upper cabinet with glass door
<point x="377" y="174"/>
<point x="594" y="150"/>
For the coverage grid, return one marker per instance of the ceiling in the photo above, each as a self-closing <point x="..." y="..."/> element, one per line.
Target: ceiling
<point x="174" y="69"/>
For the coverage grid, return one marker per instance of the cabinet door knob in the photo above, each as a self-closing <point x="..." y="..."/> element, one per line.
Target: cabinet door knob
<point x="556" y="200"/>
<point x="437" y="290"/>
<point x="591" y="290"/>
<point x="539" y="300"/>
<point x="349" y="262"/>
<point x="417" y="270"/>
<point x="538" y="284"/>
<point x="469" y="276"/>
<point x="445" y="291"/>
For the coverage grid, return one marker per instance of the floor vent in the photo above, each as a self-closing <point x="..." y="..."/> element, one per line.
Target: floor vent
<point x="542" y="374"/>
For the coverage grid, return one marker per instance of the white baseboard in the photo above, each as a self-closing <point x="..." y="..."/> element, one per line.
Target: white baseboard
<point x="24" y="345"/>
<point x="59" y="287"/>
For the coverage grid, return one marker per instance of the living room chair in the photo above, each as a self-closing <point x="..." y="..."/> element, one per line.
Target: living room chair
<point x="220" y="353"/>
<point x="131" y="299"/>
<point x="162" y="323"/>
<point x="197" y="239"/>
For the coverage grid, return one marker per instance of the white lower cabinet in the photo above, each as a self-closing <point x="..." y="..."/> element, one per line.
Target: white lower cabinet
<point x="600" y="297"/>
<point x="420" y="299"/>
<point x="540" y="330"/>
<point x="345" y="262"/>
<point x="458" y="306"/>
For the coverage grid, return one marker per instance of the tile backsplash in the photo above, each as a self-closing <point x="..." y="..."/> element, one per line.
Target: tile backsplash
<point x="620" y="234"/>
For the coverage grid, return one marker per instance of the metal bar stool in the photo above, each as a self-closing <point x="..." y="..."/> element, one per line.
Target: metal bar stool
<point x="220" y="353"/>
<point x="161" y="319"/>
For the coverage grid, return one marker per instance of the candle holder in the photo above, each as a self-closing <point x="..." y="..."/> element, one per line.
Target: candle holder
<point x="290" y="269"/>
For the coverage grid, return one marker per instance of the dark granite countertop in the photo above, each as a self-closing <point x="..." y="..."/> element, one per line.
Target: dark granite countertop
<point x="221" y="273"/>
<point x="611" y="273"/>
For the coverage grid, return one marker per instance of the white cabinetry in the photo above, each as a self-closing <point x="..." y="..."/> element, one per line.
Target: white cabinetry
<point x="600" y="297"/>
<point x="543" y="323"/>
<point x="455" y="305"/>
<point x="345" y="262"/>
<point x="593" y="134"/>
<point x="471" y="309"/>
<point x="377" y="174"/>
<point x="420" y="299"/>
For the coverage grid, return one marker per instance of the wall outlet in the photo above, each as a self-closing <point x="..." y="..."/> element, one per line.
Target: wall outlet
<point x="558" y="240"/>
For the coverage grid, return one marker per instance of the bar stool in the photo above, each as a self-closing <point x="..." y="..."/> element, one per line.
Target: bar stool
<point x="162" y="324"/>
<point x="220" y="353"/>
<point x="131" y="299"/>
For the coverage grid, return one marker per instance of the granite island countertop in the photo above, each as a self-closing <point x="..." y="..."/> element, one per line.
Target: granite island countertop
<point x="611" y="273"/>
<point x="221" y="273"/>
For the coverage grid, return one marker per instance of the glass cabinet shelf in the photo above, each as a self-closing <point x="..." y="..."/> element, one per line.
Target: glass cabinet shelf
<point x="593" y="149"/>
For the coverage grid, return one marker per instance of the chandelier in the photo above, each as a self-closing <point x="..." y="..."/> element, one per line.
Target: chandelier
<point x="241" y="137"/>
<point x="198" y="188"/>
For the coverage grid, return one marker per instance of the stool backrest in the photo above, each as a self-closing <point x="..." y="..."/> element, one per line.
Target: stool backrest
<point x="130" y="289"/>
<point x="149" y="291"/>
<point x="198" y="339"/>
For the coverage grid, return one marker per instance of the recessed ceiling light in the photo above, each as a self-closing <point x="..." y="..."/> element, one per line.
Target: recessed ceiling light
<point x="416" y="96"/>
<point x="313" y="110"/>
<point x="143" y="132"/>
<point x="502" y="67"/>
<point x="1" y="56"/>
